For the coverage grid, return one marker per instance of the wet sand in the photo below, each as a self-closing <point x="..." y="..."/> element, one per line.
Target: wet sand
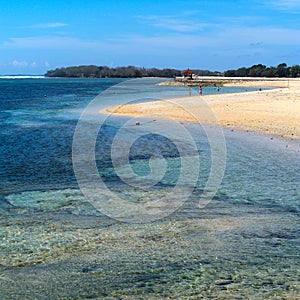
<point x="275" y="111"/>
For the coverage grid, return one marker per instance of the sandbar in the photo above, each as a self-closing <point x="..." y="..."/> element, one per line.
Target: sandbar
<point x="273" y="111"/>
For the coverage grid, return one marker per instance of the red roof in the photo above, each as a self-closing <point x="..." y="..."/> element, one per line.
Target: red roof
<point x="187" y="72"/>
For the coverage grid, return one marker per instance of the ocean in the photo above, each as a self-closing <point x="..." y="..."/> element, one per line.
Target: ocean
<point x="99" y="206"/>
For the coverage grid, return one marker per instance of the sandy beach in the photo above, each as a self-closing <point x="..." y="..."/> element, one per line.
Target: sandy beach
<point x="274" y="111"/>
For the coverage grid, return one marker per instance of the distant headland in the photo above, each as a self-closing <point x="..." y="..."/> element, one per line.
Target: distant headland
<point x="92" y="71"/>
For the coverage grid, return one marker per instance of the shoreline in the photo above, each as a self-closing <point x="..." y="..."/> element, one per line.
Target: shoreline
<point x="269" y="112"/>
<point x="229" y="81"/>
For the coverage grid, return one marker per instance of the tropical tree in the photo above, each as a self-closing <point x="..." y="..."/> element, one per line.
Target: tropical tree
<point x="282" y="70"/>
<point x="295" y="71"/>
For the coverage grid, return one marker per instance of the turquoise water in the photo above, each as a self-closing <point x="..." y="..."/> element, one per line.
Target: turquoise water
<point x="55" y="245"/>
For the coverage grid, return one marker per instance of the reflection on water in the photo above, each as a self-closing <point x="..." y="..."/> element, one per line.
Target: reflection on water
<point x="55" y="244"/>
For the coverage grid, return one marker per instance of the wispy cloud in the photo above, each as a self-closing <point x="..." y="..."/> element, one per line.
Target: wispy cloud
<point x="256" y="44"/>
<point x="18" y="64"/>
<point x="23" y="64"/>
<point x="292" y="6"/>
<point x="47" y="25"/>
<point x="171" y="23"/>
<point x="230" y="38"/>
<point x="266" y="35"/>
<point x="49" y="42"/>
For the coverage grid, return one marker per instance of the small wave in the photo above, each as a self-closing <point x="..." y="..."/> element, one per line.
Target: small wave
<point x="21" y="77"/>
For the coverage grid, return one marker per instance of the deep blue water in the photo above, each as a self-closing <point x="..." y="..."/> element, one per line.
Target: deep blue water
<point x="37" y="129"/>
<point x="244" y="244"/>
<point x="38" y="118"/>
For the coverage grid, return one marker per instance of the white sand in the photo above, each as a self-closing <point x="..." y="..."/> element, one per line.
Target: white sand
<point x="275" y="111"/>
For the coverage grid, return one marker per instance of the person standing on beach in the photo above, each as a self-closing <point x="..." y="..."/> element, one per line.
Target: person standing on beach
<point x="200" y="90"/>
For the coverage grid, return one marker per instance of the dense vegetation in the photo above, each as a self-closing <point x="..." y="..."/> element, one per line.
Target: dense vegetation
<point x="120" y="72"/>
<point x="282" y="70"/>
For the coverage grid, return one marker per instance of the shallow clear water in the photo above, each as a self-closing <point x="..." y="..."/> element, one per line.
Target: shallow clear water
<point x="243" y="245"/>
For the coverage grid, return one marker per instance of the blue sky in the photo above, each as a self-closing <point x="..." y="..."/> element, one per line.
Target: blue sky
<point x="37" y="36"/>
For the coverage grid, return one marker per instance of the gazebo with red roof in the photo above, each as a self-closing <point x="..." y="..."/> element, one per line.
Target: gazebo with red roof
<point x="188" y="73"/>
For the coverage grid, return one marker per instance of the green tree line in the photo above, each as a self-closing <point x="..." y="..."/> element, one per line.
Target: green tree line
<point x="259" y="70"/>
<point x="282" y="70"/>
<point x="103" y="71"/>
<point x="120" y="72"/>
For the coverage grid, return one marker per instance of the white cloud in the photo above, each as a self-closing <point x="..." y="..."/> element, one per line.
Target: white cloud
<point x="17" y="63"/>
<point x="47" y="64"/>
<point x="48" y="25"/>
<point x="23" y="64"/>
